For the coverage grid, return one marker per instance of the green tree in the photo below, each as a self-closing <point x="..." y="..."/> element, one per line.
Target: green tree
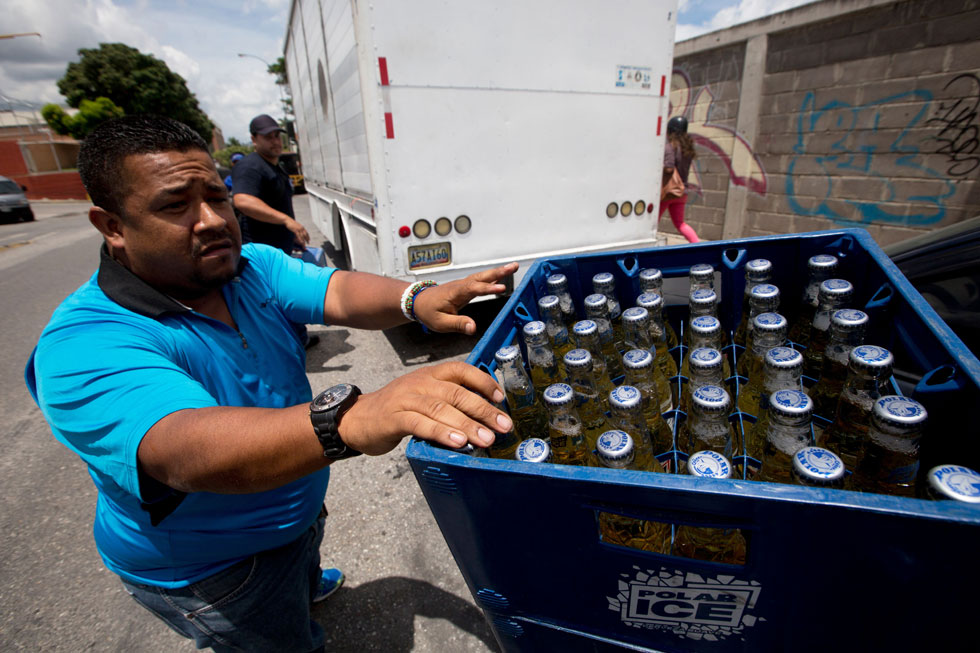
<point x="91" y="114"/>
<point x="279" y="70"/>
<point x="136" y="82"/>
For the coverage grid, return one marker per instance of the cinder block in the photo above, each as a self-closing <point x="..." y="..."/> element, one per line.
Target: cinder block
<point x="827" y="30"/>
<point x="864" y="70"/>
<point x="917" y="62"/>
<point x="804" y="56"/>
<point x="961" y="27"/>
<point x="965" y="57"/>
<point x="779" y="83"/>
<point x="847" y="49"/>
<point x="899" y="38"/>
<point x="820" y="77"/>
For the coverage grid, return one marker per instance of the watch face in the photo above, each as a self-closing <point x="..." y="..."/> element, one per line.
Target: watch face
<point x="331" y="397"/>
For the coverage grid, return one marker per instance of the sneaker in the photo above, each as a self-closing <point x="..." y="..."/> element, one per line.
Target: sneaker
<point x="330" y="581"/>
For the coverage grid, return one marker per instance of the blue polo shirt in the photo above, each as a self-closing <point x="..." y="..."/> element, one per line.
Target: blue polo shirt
<point x="117" y="356"/>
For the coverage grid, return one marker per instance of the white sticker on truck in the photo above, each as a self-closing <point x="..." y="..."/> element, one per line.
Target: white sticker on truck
<point x="633" y="77"/>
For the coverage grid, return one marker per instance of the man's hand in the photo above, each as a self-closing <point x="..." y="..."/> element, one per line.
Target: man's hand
<point x="437" y="307"/>
<point x="299" y="231"/>
<point x="441" y="403"/>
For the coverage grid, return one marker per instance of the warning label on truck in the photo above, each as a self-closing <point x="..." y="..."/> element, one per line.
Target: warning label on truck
<point x="633" y="77"/>
<point x="687" y="604"/>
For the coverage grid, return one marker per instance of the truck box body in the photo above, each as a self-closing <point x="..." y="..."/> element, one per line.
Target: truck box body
<point x="531" y="119"/>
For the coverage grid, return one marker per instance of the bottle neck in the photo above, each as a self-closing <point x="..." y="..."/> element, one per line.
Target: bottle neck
<point x="639" y="375"/>
<point x="778" y="378"/>
<point x="514" y="375"/>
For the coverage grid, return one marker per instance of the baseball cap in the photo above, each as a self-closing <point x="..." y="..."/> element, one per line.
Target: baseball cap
<point x="264" y="124"/>
<point x="237" y="156"/>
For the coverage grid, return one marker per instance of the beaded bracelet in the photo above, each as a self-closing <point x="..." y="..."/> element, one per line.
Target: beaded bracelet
<point x="408" y="298"/>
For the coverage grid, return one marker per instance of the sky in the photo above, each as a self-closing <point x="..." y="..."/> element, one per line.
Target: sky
<point x="201" y="42"/>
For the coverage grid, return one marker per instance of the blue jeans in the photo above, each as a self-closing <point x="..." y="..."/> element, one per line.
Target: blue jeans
<point x="259" y="604"/>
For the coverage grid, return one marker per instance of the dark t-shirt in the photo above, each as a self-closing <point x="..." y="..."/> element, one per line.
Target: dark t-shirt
<point x="673" y="158"/>
<point x="255" y="176"/>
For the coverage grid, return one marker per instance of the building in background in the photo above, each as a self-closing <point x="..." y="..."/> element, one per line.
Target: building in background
<point x="34" y="156"/>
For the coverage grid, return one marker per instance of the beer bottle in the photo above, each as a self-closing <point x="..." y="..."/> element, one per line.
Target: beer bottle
<point x="816" y="467"/>
<point x="756" y="271"/>
<point x="469" y="450"/>
<point x="528" y="415"/>
<point x="588" y="400"/>
<point x="558" y="286"/>
<point x="707" y="425"/>
<point x="889" y="461"/>
<point x="764" y="298"/>
<point x="636" y="329"/>
<point x="586" y="336"/>
<point x="652" y="282"/>
<point x="615" y="450"/>
<point x="705" y="331"/>
<point x="565" y="433"/>
<point x="783" y="368"/>
<point x="769" y="330"/>
<point x="660" y="332"/>
<point x="788" y="431"/>
<point x="597" y="310"/>
<point x="846" y="332"/>
<point x="605" y="283"/>
<point x="711" y="544"/>
<point x="640" y="373"/>
<point x="649" y="438"/>
<point x="868" y="378"/>
<point x="953" y="482"/>
<point x="834" y="295"/>
<point x="534" y="450"/>
<point x="701" y="275"/>
<point x="540" y="357"/>
<point x="820" y="268"/>
<point x="549" y="307"/>
<point x="706" y="367"/>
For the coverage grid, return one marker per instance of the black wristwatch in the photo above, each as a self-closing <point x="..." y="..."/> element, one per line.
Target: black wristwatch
<point x="326" y="409"/>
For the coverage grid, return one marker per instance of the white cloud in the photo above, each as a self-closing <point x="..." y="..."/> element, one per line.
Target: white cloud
<point x="742" y="12"/>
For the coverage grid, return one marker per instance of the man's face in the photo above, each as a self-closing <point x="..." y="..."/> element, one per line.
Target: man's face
<point x="269" y="146"/>
<point x="178" y="229"/>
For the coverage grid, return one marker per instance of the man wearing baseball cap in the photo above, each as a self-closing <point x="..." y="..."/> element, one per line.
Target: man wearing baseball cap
<point x="263" y="193"/>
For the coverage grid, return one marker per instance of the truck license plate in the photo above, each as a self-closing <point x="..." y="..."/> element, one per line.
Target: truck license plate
<point x="429" y="256"/>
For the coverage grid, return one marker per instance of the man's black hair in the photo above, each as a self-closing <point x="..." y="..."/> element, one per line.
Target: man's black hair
<point x="101" y="156"/>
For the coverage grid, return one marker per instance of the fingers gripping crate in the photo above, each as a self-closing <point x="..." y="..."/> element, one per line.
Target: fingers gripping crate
<point x="822" y="567"/>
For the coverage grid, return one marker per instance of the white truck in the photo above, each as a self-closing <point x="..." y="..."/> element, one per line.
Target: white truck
<point x="442" y="137"/>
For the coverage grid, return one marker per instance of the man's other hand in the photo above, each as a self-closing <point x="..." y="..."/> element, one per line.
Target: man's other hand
<point x="446" y="403"/>
<point x="437" y="307"/>
<point x="300" y="232"/>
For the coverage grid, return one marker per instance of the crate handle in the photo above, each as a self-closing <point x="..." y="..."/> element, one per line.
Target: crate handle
<point x="733" y="258"/>
<point x="629" y="265"/>
<point x="523" y="315"/>
<point x="881" y="298"/>
<point x="940" y="379"/>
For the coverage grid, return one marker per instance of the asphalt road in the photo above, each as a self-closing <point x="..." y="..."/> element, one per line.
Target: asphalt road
<point x="403" y="591"/>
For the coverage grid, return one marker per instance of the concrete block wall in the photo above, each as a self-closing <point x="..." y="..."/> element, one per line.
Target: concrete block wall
<point x="839" y="113"/>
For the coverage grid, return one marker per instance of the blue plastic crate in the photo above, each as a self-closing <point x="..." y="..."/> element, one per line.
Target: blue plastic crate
<point x="824" y="568"/>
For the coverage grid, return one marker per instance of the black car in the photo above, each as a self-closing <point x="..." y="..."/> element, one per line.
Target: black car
<point x="14" y="206"/>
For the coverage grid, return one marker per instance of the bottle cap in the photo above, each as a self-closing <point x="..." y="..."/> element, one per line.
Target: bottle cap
<point x="534" y="450"/>
<point x="578" y="359"/>
<point x="558" y="394"/>
<point x="791" y="403"/>
<point x="557" y="282"/>
<point x="954" y="482"/>
<point x="704" y="297"/>
<point x="871" y="359"/>
<point x="625" y="397"/>
<point x="783" y="358"/>
<point x="712" y="399"/>
<point x="769" y="322"/>
<point x="614" y="446"/>
<point x="709" y="464"/>
<point x="636" y="315"/>
<point x="898" y="411"/>
<point x="705" y="325"/>
<point x="507" y="354"/>
<point x="533" y="329"/>
<point x="596" y="300"/>
<point x="818" y="466"/>
<point x="822" y="262"/>
<point x="637" y="359"/>
<point x="652" y="276"/>
<point x="758" y="268"/>
<point x="650" y="301"/>
<point x="848" y="319"/>
<point x="548" y="302"/>
<point x="764" y="292"/>
<point x="835" y="290"/>
<point x="603" y="281"/>
<point x="701" y="272"/>
<point x="705" y="358"/>
<point x="585" y="328"/>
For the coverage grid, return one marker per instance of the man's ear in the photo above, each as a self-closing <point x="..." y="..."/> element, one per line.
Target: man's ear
<point x="109" y="225"/>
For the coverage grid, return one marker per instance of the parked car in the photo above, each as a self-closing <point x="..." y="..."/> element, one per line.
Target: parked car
<point x="14" y="206"/>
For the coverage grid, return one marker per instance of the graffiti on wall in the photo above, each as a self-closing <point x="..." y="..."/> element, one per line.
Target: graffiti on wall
<point x="957" y="122"/>
<point x="744" y="167"/>
<point x="883" y="162"/>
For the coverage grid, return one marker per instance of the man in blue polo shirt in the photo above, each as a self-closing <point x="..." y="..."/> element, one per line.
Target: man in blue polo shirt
<point x="175" y="375"/>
